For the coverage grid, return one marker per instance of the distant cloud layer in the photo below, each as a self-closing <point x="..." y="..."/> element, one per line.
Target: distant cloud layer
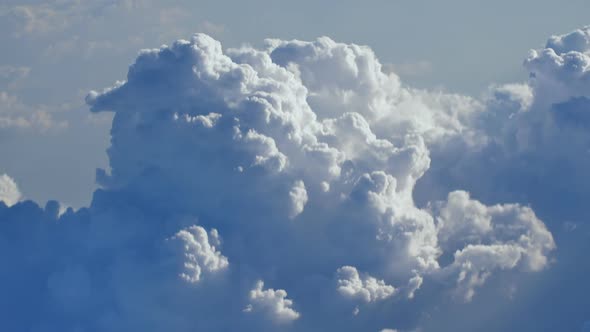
<point x="299" y="187"/>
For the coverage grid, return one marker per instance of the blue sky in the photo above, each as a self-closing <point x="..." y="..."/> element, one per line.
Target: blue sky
<point x="294" y="166"/>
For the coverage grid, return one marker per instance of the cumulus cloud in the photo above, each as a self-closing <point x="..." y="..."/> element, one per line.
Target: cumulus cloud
<point x="529" y="132"/>
<point x="305" y="158"/>
<point x="9" y="193"/>
<point x="368" y="289"/>
<point x="533" y="149"/>
<point x="299" y="198"/>
<point x="273" y="303"/>
<point x="563" y="66"/>
<point x="198" y="252"/>
<point x="462" y="220"/>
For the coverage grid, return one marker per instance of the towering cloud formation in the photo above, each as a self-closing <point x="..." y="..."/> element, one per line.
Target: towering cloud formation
<point x="533" y="135"/>
<point x="296" y="164"/>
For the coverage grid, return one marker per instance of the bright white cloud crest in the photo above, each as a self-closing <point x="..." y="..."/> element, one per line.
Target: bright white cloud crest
<point x="303" y="157"/>
<point x="273" y="303"/>
<point x="199" y="255"/>
<point x="368" y="289"/>
<point x="9" y="193"/>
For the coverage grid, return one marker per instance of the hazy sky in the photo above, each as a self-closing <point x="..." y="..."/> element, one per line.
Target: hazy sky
<point x="56" y="51"/>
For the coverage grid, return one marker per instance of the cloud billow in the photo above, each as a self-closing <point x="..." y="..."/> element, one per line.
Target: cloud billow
<point x="273" y="188"/>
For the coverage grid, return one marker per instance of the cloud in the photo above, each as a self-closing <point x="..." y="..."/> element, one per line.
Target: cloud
<point x="9" y="193"/>
<point x="40" y="19"/>
<point x="577" y="41"/>
<point x="528" y="132"/>
<point x="532" y="149"/>
<point x="37" y="19"/>
<point x="368" y="289"/>
<point x="562" y="66"/>
<point x="462" y="220"/>
<point x="304" y="158"/>
<point x="198" y="254"/>
<point x="273" y="303"/>
<point x="14" y="114"/>
<point x="298" y="198"/>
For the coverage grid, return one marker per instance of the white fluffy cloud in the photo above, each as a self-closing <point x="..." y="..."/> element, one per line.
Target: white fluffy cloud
<point x="9" y="193"/>
<point x="304" y="157"/>
<point x="199" y="254"/>
<point x="299" y="198"/>
<point x="463" y="221"/>
<point x="562" y="69"/>
<point x="273" y="303"/>
<point x="535" y="134"/>
<point x="367" y="288"/>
